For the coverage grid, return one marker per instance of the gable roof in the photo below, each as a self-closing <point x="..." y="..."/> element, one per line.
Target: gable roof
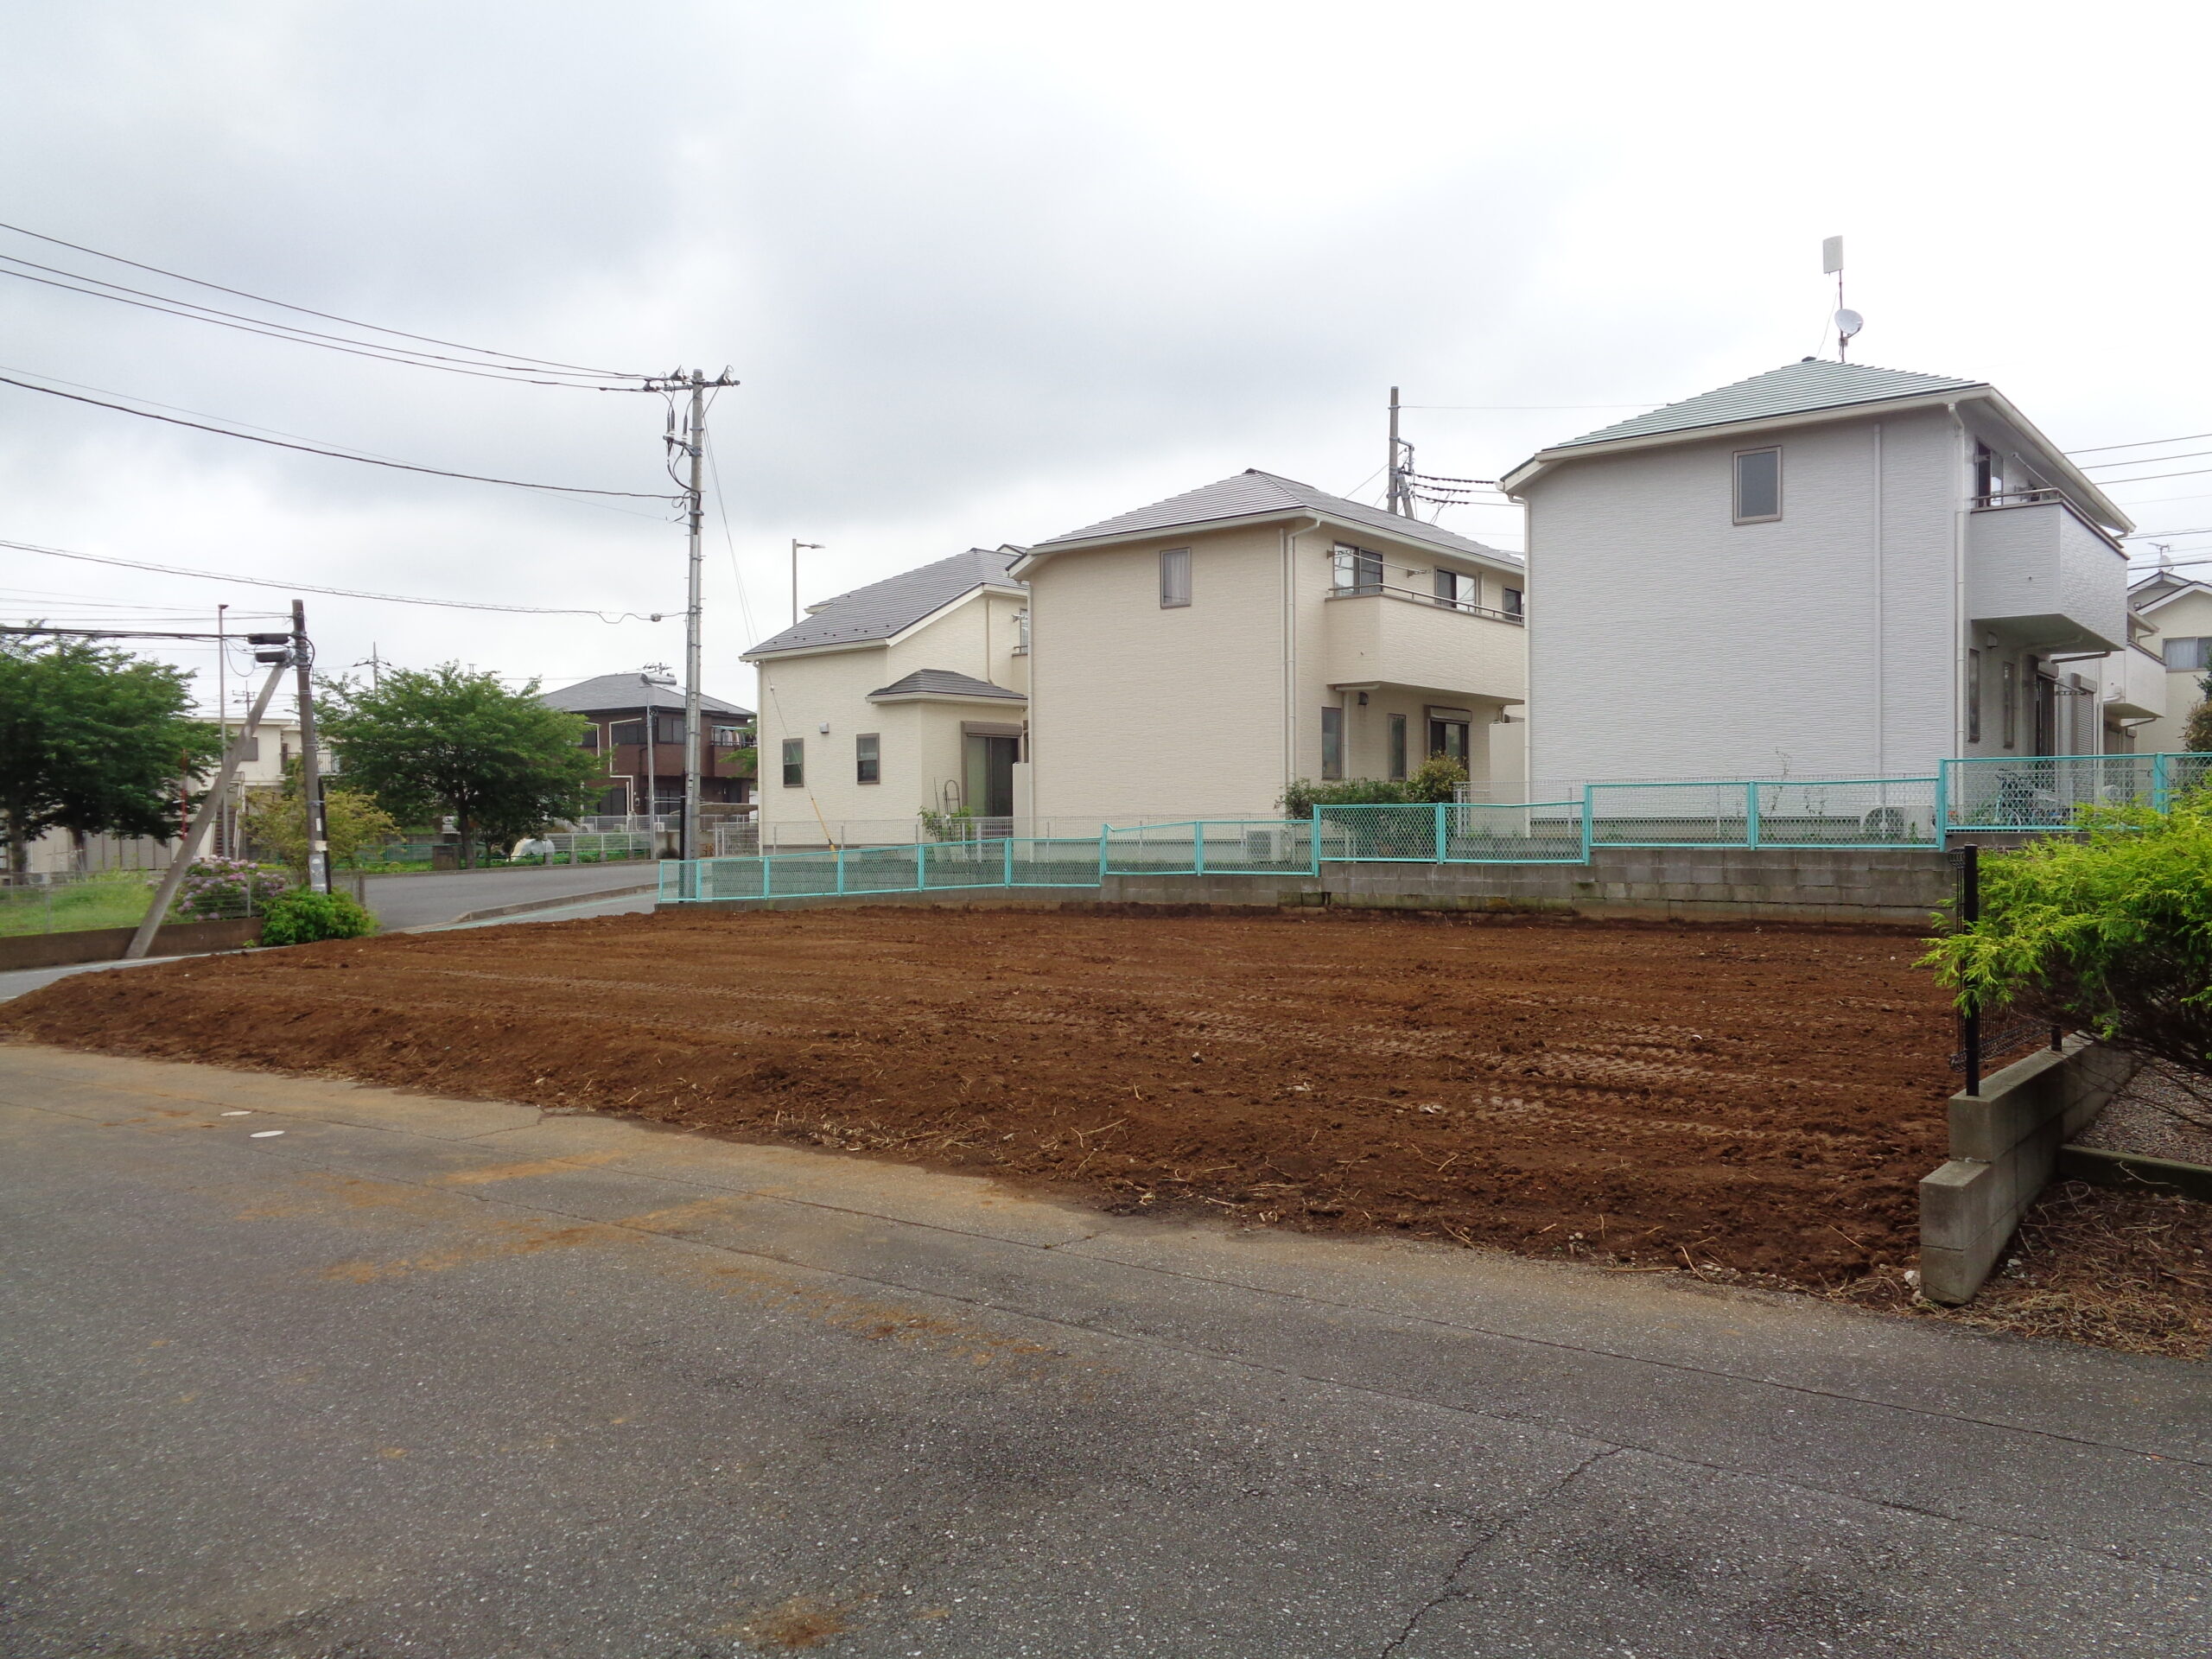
<point x="884" y="609"/>
<point x="628" y="693"/>
<point x="1255" y="494"/>
<point x="944" y="682"/>
<point x="1794" y="389"/>
<point x="2160" y="586"/>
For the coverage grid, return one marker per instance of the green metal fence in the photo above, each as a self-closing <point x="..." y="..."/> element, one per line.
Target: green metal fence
<point x="2038" y="792"/>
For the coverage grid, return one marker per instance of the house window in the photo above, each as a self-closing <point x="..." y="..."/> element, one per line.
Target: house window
<point x="1022" y="633"/>
<point x="731" y="737"/>
<point x="1355" y="570"/>
<point x="2009" y="712"/>
<point x="627" y="731"/>
<point x="1512" y="602"/>
<point x="867" y="758"/>
<point x="794" y="763"/>
<point x="1457" y="589"/>
<point x="1988" y="475"/>
<point x="1332" y="741"/>
<point x="1174" y="578"/>
<point x="1450" y="731"/>
<point x="1758" y="486"/>
<point x="2189" y="656"/>
<point x="1398" y="748"/>
<point x="671" y="728"/>
<point x="589" y="740"/>
<point x="1973" y="696"/>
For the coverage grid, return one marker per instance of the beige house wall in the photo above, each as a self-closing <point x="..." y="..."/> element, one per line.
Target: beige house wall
<point x="2188" y="616"/>
<point x="920" y="743"/>
<point x="1208" y="709"/>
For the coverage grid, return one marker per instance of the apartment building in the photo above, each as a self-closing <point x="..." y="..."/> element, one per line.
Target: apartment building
<point x="1194" y="656"/>
<point x="904" y="698"/>
<point x="1829" y="569"/>
<point x="637" y="726"/>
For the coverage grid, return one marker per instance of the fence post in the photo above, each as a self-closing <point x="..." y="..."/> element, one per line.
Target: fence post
<point x="841" y="870"/>
<point x="2158" y="782"/>
<point x="1589" y="821"/>
<point x="1199" y="847"/>
<point x="1942" y="805"/>
<point x="1315" y="831"/>
<point x="1008" y="845"/>
<point x="767" y="876"/>
<point x="1443" y="841"/>
<point x="921" y="865"/>
<point x="1751" y="814"/>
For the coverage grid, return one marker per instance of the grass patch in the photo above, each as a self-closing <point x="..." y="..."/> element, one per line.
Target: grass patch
<point x="115" y="900"/>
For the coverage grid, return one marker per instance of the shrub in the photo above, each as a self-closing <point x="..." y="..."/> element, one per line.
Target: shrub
<point x="1437" y="779"/>
<point x="303" y="916"/>
<point x="2111" y="933"/>
<point x="215" y="887"/>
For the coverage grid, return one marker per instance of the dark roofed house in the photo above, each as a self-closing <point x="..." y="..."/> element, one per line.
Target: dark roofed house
<point x="637" y="723"/>
<point x="905" y="696"/>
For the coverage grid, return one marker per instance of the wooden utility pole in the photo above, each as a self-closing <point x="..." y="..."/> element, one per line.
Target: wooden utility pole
<point x="311" y="767"/>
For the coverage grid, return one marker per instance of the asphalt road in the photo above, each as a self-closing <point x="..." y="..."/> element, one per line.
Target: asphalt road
<point x="419" y="901"/>
<point x="466" y="1380"/>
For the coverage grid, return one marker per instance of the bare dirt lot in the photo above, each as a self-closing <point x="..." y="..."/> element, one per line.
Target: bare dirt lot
<point x="1761" y="1099"/>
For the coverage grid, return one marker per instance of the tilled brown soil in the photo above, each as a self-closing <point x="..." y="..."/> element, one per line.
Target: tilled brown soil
<point x="1758" y="1098"/>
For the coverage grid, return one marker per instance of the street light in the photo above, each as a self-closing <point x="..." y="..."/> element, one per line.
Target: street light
<point x="796" y="545"/>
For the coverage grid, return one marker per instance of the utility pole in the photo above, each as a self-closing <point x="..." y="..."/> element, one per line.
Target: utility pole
<point x="310" y="769"/>
<point x="694" y="444"/>
<point x="1400" y="499"/>
<point x="224" y="840"/>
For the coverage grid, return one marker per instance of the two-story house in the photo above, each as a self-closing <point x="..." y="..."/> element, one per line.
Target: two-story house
<point x="1194" y="657"/>
<point x="2179" y="609"/>
<point x="1827" y="570"/>
<point x="637" y="724"/>
<point x="904" y="698"/>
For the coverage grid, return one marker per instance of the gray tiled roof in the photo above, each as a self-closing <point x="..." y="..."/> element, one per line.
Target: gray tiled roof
<point x="1795" y="389"/>
<point x="1253" y="492"/>
<point x="944" y="682"/>
<point x="626" y="694"/>
<point x="883" y="609"/>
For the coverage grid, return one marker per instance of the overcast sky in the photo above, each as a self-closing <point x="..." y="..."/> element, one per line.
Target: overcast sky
<point x="991" y="271"/>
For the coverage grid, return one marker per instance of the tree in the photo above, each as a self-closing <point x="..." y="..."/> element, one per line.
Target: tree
<point x="2196" y="736"/>
<point x="352" y="822"/>
<point x="445" y="740"/>
<point x="2110" y="933"/>
<point x="92" y="741"/>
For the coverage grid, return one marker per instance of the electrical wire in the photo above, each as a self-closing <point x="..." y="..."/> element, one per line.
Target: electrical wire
<point x="2152" y="478"/>
<point x="2149" y="461"/>
<point x="336" y="454"/>
<point x="306" y="337"/>
<point x="2146" y="444"/>
<point x="721" y="511"/>
<point x="262" y="299"/>
<point x="340" y="593"/>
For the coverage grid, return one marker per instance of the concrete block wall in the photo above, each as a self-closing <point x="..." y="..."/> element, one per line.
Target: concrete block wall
<point x="2005" y="1148"/>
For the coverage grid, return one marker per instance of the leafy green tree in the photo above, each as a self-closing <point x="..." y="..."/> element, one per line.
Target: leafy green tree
<point x="352" y="822"/>
<point x="2196" y="736"/>
<point x="92" y="741"/>
<point x="2111" y="933"/>
<point x="445" y="740"/>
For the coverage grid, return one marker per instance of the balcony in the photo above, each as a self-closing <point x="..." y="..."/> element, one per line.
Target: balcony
<point x="1394" y="636"/>
<point x="2042" y="576"/>
<point x="2135" y="685"/>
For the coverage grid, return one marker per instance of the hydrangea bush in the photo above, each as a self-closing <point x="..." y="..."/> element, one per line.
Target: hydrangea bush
<point x="216" y="888"/>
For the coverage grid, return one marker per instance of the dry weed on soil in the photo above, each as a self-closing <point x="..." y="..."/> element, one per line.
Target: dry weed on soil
<point x="1753" y="1099"/>
<point x="2113" y="1268"/>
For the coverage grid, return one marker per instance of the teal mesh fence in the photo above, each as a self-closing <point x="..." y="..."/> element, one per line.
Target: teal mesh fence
<point x="862" y="870"/>
<point x="1669" y="814"/>
<point x="2045" y="792"/>
<point x="1453" y="832"/>
<point x="1210" y="847"/>
<point x="1846" y="812"/>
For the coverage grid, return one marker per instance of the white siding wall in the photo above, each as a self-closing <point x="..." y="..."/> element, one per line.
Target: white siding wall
<point x="1667" y="641"/>
<point x="2189" y="616"/>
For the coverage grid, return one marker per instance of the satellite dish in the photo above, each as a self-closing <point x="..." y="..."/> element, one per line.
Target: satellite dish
<point x="1848" y="323"/>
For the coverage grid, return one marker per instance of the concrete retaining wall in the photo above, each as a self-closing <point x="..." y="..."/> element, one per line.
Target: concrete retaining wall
<point x="1682" y="883"/>
<point x="108" y="943"/>
<point x="2005" y="1147"/>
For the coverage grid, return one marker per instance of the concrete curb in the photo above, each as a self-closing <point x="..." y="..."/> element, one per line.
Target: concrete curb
<point x="496" y="910"/>
<point x="2005" y="1149"/>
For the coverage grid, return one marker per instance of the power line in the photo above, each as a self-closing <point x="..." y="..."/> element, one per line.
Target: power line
<point x="340" y="593"/>
<point x="335" y="454"/>
<point x="2152" y="460"/>
<point x="262" y="299"/>
<point x="2146" y="444"/>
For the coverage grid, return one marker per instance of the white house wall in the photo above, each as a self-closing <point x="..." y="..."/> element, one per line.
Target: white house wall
<point x="2186" y="617"/>
<point x="1667" y="642"/>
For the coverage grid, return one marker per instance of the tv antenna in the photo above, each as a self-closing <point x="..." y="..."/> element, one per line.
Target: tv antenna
<point x="1847" y="321"/>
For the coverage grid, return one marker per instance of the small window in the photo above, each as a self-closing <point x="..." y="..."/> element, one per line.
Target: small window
<point x="1022" y="631"/>
<point x="1988" y="475"/>
<point x="1174" y="578"/>
<point x="1973" y="696"/>
<point x="867" y="758"/>
<point x="1398" y="748"/>
<point x="589" y="740"/>
<point x="1355" y="570"/>
<point x="671" y="728"/>
<point x="794" y="763"/>
<point x="2011" y="700"/>
<point x="1758" y="486"/>
<point x="1457" y="589"/>
<point x="249" y="749"/>
<point x="1512" y="605"/>
<point x="2189" y="656"/>
<point x="627" y="731"/>
<point x="1332" y="741"/>
<point x="729" y="737"/>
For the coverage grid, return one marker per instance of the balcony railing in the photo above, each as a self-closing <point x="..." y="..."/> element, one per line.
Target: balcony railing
<point x="1365" y="589"/>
